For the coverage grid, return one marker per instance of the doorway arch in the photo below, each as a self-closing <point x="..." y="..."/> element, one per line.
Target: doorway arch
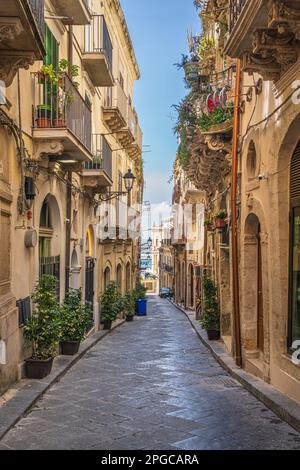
<point x="255" y="294"/>
<point x="50" y="240"/>
<point x="75" y="271"/>
<point x="106" y="277"/>
<point x="191" y="287"/>
<point x="119" y="277"/>
<point x="128" y="277"/>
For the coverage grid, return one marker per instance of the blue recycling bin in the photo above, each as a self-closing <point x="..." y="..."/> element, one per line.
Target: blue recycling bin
<point x="142" y="307"/>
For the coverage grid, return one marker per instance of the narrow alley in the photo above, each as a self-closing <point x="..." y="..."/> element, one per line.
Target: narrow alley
<point x="150" y="384"/>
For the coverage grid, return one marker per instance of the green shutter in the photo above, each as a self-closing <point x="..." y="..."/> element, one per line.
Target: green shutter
<point x="51" y="46"/>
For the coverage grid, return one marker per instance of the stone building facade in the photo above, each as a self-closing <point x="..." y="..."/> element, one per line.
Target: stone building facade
<point x="253" y="179"/>
<point x="66" y="147"/>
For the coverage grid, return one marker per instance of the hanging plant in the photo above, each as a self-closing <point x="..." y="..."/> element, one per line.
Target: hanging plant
<point x="184" y="153"/>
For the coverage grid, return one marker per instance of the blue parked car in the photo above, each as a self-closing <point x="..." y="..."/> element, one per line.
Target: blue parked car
<point x="165" y="293"/>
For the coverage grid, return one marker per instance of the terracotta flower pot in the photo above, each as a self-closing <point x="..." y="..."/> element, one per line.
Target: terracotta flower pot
<point x="60" y="123"/>
<point x="38" y="369"/>
<point x="43" y="122"/>
<point x="220" y="223"/>
<point x="69" y="348"/>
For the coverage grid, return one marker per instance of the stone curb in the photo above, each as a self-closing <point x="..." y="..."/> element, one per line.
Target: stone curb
<point x="283" y="406"/>
<point x="27" y="392"/>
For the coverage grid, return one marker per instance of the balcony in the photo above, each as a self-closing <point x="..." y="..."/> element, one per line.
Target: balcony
<point x="135" y="149"/>
<point x="115" y="108"/>
<point x="97" y="174"/>
<point x="22" y="25"/>
<point x="264" y="35"/>
<point x="98" y="52"/>
<point x="75" y="11"/>
<point x="126" y="135"/>
<point x="61" y="120"/>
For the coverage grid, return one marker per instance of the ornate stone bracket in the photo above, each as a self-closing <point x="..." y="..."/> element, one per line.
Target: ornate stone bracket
<point x="44" y="148"/>
<point x="10" y="28"/>
<point x="12" y="61"/>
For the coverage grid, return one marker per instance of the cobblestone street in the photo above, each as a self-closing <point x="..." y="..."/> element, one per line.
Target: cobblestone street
<point x="150" y="385"/>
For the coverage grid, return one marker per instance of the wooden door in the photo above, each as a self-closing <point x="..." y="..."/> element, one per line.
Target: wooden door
<point x="260" y="299"/>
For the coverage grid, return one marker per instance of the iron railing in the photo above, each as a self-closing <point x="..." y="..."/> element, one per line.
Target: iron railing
<point x="102" y="155"/>
<point x="37" y="8"/>
<point x="132" y="120"/>
<point x="117" y="99"/>
<point x="97" y="39"/>
<point x="51" y="266"/>
<point x="60" y="105"/>
<point x="139" y="137"/>
<point x="236" y="7"/>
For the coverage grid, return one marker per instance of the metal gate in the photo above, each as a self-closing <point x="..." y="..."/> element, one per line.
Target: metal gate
<point x="51" y="266"/>
<point x="89" y="283"/>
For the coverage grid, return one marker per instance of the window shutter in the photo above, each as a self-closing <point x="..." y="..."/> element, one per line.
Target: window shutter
<point x="295" y="173"/>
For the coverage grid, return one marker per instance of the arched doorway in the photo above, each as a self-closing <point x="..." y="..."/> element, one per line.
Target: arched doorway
<point x="191" y="287"/>
<point x="106" y="277"/>
<point x="75" y="271"/>
<point x="50" y="240"/>
<point x="183" y="284"/>
<point x="128" y="277"/>
<point x="254" y="287"/>
<point x="119" y="272"/>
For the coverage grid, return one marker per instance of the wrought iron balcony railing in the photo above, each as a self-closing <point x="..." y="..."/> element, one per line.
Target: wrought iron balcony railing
<point x="102" y="155"/>
<point x="236" y="7"/>
<point x="37" y="8"/>
<point x="61" y="106"/>
<point x="97" y="39"/>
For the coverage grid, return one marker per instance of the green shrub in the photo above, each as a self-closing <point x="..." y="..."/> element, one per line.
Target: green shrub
<point x="110" y="302"/>
<point x="210" y="318"/>
<point x="75" y="318"/>
<point x="42" y="330"/>
<point x="140" y="291"/>
<point x="129" y="301"/>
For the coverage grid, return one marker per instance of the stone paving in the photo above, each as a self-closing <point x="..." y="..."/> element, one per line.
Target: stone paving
<point x="150" y="385"/>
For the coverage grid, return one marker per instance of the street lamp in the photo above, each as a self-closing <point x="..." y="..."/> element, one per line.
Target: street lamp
<point x="129" y="180"/>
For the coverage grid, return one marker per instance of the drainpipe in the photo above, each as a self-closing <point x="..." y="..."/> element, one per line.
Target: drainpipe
<point x="69" y="186"/>
<point x="235" y="260"/>
<point x="68" y="230"/>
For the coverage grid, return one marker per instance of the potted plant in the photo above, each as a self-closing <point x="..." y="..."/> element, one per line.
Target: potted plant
<point x="60" y="95"/>
<point x="44" y="113"/>
<point x="47" y="74"/>
<point x="75" y="318"/>
<point x="208" y="224"/>
<point x="129" y="306"/>
<point x="210" y="318"/>
<point x="220" y="217"/>
<point x="43" y="328"/>
<point x="109" y="305"/>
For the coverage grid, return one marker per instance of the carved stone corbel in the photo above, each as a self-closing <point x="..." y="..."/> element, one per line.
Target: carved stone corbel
<point x="10" y="28"/>
<point x="266" y="66"/>
<point x="11" y="62"/>
<point x="44" y="148"/>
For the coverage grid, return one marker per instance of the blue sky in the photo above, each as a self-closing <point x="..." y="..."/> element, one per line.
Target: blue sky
<point x="159" y="33"/>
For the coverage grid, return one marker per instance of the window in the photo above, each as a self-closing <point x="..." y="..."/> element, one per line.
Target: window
<point x="294" y="310"/>
<point x="46" y="232"/>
